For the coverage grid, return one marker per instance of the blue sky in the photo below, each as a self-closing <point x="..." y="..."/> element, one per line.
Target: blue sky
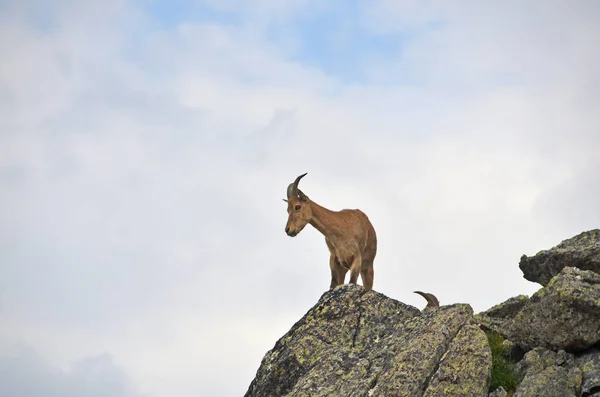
<point x="170" y="15"/>
<point x="332" y="38"/>
<point x="145" y="149"/>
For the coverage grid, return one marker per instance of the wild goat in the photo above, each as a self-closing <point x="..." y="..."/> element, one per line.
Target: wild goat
<point x="349" y="235"/>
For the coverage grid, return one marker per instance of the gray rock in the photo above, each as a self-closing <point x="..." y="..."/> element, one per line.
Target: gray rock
<point x="499" y="392"/>
<point x="464" y="368"/>
<point x="581" y="251"/>
<point x="500" y="317"/>
<point x="357" y="343"/>
<point x="589" y="363"/>
<point x="549" y="374"/>
<point x="563" y="315"/>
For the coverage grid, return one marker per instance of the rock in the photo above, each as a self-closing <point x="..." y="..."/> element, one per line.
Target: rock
<point x="589" y="363"/>
<point x="513" y="352"/>
<point x="549" y="374"/>
<point x="357" y="343"/>
<point x="499" y="392"/>
<point x="581" y="251"/>
<point x="500" y="317"/>
<point x="464" y="368"/>
<point x="563" y="315"/>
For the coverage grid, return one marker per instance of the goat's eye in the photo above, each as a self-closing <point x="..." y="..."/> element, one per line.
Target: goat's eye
<point x="297" y="208"/>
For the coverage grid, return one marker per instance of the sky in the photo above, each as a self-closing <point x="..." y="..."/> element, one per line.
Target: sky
<point x="145" y="148"/>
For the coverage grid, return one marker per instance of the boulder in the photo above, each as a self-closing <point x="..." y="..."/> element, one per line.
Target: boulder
<point x="589" y="363"/>
<point x="549" y="374"/>
<point x="357" y="343"/>
<point x="500" y="317"/>
<point x="581" y="251"/>
<point x="563" y="315"/>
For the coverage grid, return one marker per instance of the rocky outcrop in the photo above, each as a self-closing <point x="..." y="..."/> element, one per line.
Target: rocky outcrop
<point x="559" y="325"/>
<point x="357" y="343"/>
<point x="361" y="343"/>
<point x="581" y="251"/>
<point x="565" y="315"/>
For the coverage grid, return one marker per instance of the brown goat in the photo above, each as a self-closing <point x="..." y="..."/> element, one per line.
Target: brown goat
<point x="349" y="235"/>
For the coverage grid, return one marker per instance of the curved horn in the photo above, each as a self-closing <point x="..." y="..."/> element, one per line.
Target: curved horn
<point x="292" y="190"/>
<point x="431" y="299"/>
<point x="302" y="196"/>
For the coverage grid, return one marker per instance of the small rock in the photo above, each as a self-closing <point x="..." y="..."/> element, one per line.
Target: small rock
<point x="499" y="392"/>
<point x="589" y="363"/>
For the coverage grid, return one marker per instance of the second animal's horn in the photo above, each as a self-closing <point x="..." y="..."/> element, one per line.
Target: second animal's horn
<point x="431" y="299"/>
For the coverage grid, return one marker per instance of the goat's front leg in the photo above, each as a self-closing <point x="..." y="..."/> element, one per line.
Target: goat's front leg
<point x="355" y="268"/>
<point x="334" y="272"/>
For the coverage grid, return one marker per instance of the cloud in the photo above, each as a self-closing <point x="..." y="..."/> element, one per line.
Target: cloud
<point x="145" y="150"/>
<point x="25" y="373"/>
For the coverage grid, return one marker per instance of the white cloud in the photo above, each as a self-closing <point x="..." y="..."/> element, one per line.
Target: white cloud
<point x="142" y="174"/>
<point x="25" y="373"/>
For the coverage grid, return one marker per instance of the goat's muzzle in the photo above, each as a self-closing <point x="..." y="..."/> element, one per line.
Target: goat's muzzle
<point x="291" y="233"/>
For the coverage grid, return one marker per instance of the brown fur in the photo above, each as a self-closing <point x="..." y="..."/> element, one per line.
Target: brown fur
<point x="349" y="235"/>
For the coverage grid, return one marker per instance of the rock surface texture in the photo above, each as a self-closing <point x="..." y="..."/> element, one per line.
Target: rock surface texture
<point x="549" y="374"/>
<point x="357" y="343"/>
<point x="563" y="315"/>
<point x="589" y="362"/>
<point x="581" y="251"/>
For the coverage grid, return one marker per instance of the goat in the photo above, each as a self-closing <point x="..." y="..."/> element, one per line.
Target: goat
<point x="349" y="235"/>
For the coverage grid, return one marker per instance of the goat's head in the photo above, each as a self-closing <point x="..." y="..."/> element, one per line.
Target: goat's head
<point x="299" y="211"/>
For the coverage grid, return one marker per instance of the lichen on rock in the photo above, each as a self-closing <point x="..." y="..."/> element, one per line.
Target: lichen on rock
<point x="357" y="343"/>
<point x="589" y="363"/>
<point x="362" y="343"/>
<point x="581" y="251"/>
<point x="549" y="374"/>
<point x="563" y="315"/>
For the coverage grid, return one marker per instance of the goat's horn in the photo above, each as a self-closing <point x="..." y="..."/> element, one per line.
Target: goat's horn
<point x="301" y="195"/>
<point x="292" y="190"/>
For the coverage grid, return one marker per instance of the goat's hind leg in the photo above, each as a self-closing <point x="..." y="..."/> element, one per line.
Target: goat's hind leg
<point x="338" y="272"/>
<point x="367" y="274"/>
<point x="355" y="269"/>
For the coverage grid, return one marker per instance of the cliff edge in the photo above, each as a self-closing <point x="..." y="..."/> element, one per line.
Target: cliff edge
<point x="362" y="343"/>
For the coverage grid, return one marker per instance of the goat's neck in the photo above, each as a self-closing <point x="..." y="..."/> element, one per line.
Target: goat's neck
<point x="325" y="221"/>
